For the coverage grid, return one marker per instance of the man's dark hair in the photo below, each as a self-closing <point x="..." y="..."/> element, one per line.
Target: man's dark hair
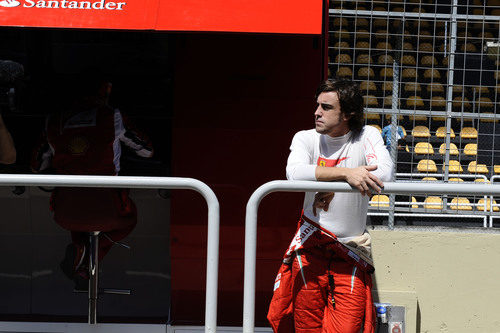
<point x="350" y="99"/>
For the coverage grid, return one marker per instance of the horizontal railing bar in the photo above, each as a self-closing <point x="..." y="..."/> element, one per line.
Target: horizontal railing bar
<point x="380" y="13"/>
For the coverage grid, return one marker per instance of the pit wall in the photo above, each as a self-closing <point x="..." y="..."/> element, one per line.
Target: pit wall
<point x="448" y="279"/>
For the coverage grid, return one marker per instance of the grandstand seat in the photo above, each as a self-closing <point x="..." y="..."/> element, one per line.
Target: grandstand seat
<point x="388" y="104"/>
<point x="412" y="88"/>
<point x="381" y="35"/>
<point x="432" y="74"/>
<point x="408" y="60"/>
<point x="409" y="74"/>
<point x="384" y="46"/>
<point x="342" y="45"/>
<point x="380" y="23"/>
<point x="386" y="73"/>
<point x="481" y="180"/>
<point x="414" y="102"/>
<point x="362" y="45"/>
<point x="364" y="58"/>
<point x="362" y="22"/>
<point x="342" y="34"/>
<point x="480" y="205"/>
<point x="435" y="89"/>
<point x="421" y="132"/>
<point x="379" y="200"/>
<point x="343" y="59"/>
<point x="428" y="61"/>
<point x="366" y="73"/>
<point x="368" y="87"/>
<point x="426" y="166"/>
<point x="370" y="101"/>
<point x="362" y="34"/>
<point x="438" y="103"/>
<point x="477" y="168"/>
<point x="385" y="59"/>
<point x="426" y="47"/>
<point x="484" y="104"/>
<point x="372" y="116"/>
<point x="433" y="202"/>
<point x="481" y="90"/>
<point x="388" y="117"/>
<point x="407" y="46"/>
<point x="496" y="168"/>
<point x="344" y="72"/>
<point x="468" y="133"/>
<point x="453" y="149"/>
<point x="485" y="35"/>
<point x="460" y="101"/>
<point x="470" y="149"/>
<point x="457" y="90"/>
<point x="441" y="132"/>
<point x="340" y="22"/>
<point x="414" y="200"/>
<point x="455" y="180"/>
<point x="429" y="179"/>
<point x="460" y="203"/>
<point x="468" y="48"/>
<point x="454" y="167"/>
<point x="376" y="126"/>
<point x="423" y="148"/>
<point x="387" y="87"/>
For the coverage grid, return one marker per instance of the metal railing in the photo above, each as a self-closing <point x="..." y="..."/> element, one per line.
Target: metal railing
<point x="149" y="183"/>
<point x="311" y="186"/>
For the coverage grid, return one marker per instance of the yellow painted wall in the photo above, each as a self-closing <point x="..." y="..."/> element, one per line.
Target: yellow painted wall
<point x="449" y="280"/>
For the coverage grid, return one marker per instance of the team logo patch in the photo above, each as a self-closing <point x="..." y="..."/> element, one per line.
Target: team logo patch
<point x="330" y="163"/>
<point x="78" y="145"/>
<point x="9" y="3"/>
<point x="277" y="282"/>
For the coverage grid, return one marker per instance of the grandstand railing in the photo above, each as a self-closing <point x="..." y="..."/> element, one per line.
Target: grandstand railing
<point x="148" y="183"/>
<point x="311" y="186"/>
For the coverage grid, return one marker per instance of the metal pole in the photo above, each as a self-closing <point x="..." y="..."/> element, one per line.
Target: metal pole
<point x="394" y="131"/>
<point x="151" y="183"/>
<point x="311" y="186"/>
<point x="94" y="276"/>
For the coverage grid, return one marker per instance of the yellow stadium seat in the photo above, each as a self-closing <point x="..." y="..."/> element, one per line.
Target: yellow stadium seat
<point x="480" y="205"/>
<point x="429" y="179"/>
<point x="339" y="22"/>
<point x="408" y="60"/>
<point x="453" y="149"/>
<point x="342" y="34"/>
<point x="377" y="127"/>
<point x="469" y="48"/>
<point x="344" y="72"/>
<point x="426" y="166"/>
<point x="380" y="23"/>
<point x="488" y="120"/>
<point x="386" y="73"/>
<point x="468" y="133"/>
<point x="455" y="180"/>
<point x="417" y="117"/>
<point x="407" y="46"/>
<point x="481" y="180"/>
<point x="412" y="87"/>
<point x="438" y="103"/>
<point x="470" y="149"/>
<point x="414" y="102"/>
<point x="364" y="59"/>
<point x="372" y="116"/>
<point x="379" y="200"/>
<point x="343" y="59"/>
<point x="441" y="132"/>
<point x="460" y="204"/>
<point x="423" y="148"/>
<point x="389" y="116"/>
<point x="414" y="200"/>
<point x="435" y="88"/>
<point x="460" y="101"/>
<point x="484" y="104"/>
<point x="370" y="101"/>
<point x="384" y="46"/>
<point x="433" y="202"/>
<point x="388" y="105"/>
<point x="426" y="48"/>
<point x="368" y="87"/>
<point x="421" y="132"/>
<point x="362" y="22"/>
<point x="432" y="74"/>
<point x="385" y="59"/>
<point x="387" y="87"/>
<point x="496" y="168"/>
<point x="362" y="45"/>
<point x="409" y="74"/>
<point x="342" y="45"/>
<point x="366" y="72"/>
<point x="477" y="168"/>
<point x="454" y="167"/>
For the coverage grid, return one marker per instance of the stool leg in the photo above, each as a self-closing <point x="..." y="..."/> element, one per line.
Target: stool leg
<point x="93" y="276"/>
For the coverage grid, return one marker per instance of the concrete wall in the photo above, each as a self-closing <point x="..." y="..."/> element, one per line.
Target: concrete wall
<point x="449" y="279"/>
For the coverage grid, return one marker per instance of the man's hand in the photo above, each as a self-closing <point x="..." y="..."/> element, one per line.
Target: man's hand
<point x="363" y="180"/>
<point x="322" y="201"/>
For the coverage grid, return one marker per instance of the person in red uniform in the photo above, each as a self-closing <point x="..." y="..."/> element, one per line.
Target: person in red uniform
<point x="324" y="283"/>
<point x="86" y="138"/>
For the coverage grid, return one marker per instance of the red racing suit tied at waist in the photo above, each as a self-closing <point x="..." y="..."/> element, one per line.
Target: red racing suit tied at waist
<point x="310" y="234"/>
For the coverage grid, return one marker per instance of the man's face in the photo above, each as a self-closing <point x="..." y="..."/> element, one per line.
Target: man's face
<point x="329" y="118"/>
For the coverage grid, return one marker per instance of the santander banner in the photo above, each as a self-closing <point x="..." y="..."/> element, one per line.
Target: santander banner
<point x="261" y="16"/>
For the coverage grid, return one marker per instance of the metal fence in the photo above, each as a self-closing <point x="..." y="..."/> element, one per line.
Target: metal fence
<point x="433" y="69"/>
<point x="309" y="186"/>
<point x="148" y="183"/>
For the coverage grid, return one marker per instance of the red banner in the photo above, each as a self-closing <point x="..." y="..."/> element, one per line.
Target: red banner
<point x="261" y="16"/>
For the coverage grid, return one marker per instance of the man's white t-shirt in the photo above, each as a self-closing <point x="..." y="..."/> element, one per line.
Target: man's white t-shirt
<point x="346" y="215"/>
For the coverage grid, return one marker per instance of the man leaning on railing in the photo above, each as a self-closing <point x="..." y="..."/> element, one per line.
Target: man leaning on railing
<point x="324" y="283"/>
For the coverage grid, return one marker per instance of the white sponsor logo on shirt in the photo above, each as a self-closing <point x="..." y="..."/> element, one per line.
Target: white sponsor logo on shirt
<point x="66" y="4"/>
